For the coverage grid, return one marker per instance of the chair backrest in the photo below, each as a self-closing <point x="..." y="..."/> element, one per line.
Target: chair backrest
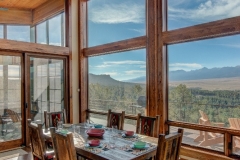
<point x="169" y="146"/>
<point x="204" y="120"/>
<point x="148" y="125"/>
<point x="234" y="123"/>
<point x="51" y="118"/>
<point x="203" y="115"/>
<point x="13" y="115"/>
<point x="115" y="118"/>
<point x="36" y="140"/>
<point x="63" y="145"/>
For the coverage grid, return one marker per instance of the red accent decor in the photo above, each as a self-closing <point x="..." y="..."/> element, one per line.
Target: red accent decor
<point x="55" y="119"/>
<point x="146" y="126"/>
<point x="114" y="120"/>
<point x="94" y="142"/>
<point x="129" y="133"/>
<point x="95" y="132"/>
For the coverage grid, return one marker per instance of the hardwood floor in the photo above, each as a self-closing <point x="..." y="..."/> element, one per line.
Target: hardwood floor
<point x="26" y="156"/>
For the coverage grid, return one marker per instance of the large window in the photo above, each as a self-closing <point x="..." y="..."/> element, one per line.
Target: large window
<point x="41" y="33"/>
<point x="10" y="97"/>
<point x="204" y="87"/>
<point x="188" y="13"/>
<point x="51" y="31"/>
<point x="114" y="20"/>
<point x="118" y="82"/>
<point x="19" y="33"/>
<point x="1" y="31"/>
<point x="47" y="86"/>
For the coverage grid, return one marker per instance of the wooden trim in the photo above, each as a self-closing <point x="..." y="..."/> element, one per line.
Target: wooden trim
<point x="17" y="46"/>
<point x="83" y="61"/>
<point x="68" y="43"/>
<point x="47" y="10"/>
<point x="128" y="116"/>
<point x="16" y="16"/>
<point x="227" y="142"/>
<point x="220" y="28"/>
<point x="200" y="154"/>
<point x="120" y="46"/>
<point x="204" y="128"/>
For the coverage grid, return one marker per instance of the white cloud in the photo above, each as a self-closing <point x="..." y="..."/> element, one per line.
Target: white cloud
<point x="102" y="66"/>
<point x="141" y="31"/>
<point x="126" y="62"/>
<point x="117" y="13"/>
<point x="231" y="45"/>
<point x="184" y="66"/>
<point x="114" y="63"/>
<point x="136" y="72"/>
<point x="210" y="10"/>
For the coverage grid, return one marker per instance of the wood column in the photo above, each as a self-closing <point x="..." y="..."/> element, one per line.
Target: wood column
<point x="156" y="61"/>
<point x="83" y="61"/>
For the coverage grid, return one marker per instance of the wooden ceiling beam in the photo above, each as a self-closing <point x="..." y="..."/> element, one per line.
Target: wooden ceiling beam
<point x="47" y="10"/>
<point x="125" y="45"/>
<point x="16" y="16"/>
<point x="214" y="29"/>
<point x="17" y="46"/>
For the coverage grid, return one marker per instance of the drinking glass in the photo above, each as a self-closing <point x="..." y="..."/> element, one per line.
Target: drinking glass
<point x="60" y="125"/>
<point x="77" y="131"/>
<point x="87" y="123"/>
<point x="114" y="129"/>
<point x="112" y="140"/>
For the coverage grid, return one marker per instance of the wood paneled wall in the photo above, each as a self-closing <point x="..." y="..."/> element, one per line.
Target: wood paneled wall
<point x="47" y="10"/>
<point x="16" y="16"/>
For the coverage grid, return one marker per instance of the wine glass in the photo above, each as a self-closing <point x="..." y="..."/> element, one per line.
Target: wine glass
<point x="60" y="125"/>
<point x="114" y="129"/>
<point x="112" y="141"/>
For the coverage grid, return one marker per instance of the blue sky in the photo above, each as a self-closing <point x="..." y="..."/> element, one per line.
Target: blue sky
<point x="113" y="20"/>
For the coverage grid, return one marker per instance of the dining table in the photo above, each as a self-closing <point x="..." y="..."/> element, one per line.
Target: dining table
<point x="114" y="145"/>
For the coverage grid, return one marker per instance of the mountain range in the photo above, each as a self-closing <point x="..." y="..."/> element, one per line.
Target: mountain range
<point x="178" y="75"/>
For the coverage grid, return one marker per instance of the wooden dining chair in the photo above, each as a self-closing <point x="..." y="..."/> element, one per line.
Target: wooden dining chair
<point x="148" y="126"/>
<point x="51" y="118"/>
<point x="37" y="142"/>
<point x="63" y="145"/>
<point x="169" y="146"/>
<point x="114" y="118"/>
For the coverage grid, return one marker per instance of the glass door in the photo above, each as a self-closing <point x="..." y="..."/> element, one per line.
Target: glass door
<point x="47" y="86"/>
<point x="11" y="100"/>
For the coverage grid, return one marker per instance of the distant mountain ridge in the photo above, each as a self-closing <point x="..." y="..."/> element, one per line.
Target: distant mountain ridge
<point x="106" y="80"/>
<point x="179" y="75"/>
<point x="205" y="73"/>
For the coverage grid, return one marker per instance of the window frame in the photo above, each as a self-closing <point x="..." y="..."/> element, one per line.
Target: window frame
<point x="156" y="40"/>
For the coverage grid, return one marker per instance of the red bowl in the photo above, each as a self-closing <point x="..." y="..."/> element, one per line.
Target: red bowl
<point x="129" y="133"/>
<point x="95" y="132"/>
<point x="94" y="142"/>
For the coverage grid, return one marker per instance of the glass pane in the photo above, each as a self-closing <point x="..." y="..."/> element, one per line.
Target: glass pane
<point x="1" y="31"/>
<point x="18" y="33"/>
<point x="188" y="13"/>
<point x="55" y="29"/>
<point x="114" y="20"/>
<point x="45" y="93"/>
<point x="32" y="34"/>
<point x="208" y="140"/>
<point x="98" y="119"/>
<point x="118" y="82"/>
<point x="42" y="33"/>
<point x="10" y="108"/>
<point x="204" y="81"/>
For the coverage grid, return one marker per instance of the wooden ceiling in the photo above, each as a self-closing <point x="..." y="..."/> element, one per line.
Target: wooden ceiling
<point x="21" y="4"/>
